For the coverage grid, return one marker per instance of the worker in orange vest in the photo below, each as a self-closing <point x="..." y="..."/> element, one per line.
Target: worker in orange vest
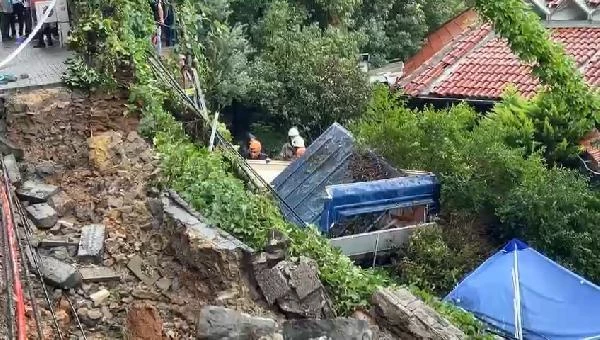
<point x="298" y="147"/>
<point x="254" y="148"/>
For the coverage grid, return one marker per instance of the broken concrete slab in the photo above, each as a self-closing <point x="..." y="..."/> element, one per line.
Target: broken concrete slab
<point x="143" y="272"/>
<point x="91" y="243"/>
<point x="36" y="192"/>
<point x="220" y="259"/>
<point x="294" y="287"/>
<point x="42" y="215"/>
<point x="62" y="203"/>
<point x="58" y="241"/>
<point x="273" y="284"/>
<point x="407" y="317"/>
<point x="223" y="323"/>
<point x="7" y="147"/>
<point x="12" y="168"/>
<point x="98" y="274"/>
<point x="334" y="329"/>
<point x="59" y="274"/>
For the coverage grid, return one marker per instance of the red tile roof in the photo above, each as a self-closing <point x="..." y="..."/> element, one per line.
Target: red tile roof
<point x="440" y="38"/>
<point x="478" y="66"/>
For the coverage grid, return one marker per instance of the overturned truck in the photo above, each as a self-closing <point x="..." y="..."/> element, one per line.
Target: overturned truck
<point x="365" y="206"/>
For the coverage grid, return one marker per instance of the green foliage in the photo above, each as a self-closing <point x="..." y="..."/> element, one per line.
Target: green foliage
<point x="396" y="29"/>
<point x="305" y="76"/>
<point x="429" y="263"/>
<point x="552" y="209"/>
<point x="567" y="109"/>
<point x="80" y="75"/>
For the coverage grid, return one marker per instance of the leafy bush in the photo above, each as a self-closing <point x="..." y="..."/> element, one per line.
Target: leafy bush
<point x="515" y="193"/>
<point x="80" y="75"/>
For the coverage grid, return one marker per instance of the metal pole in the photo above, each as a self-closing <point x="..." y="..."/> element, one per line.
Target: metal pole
<point x="213" y="132"/>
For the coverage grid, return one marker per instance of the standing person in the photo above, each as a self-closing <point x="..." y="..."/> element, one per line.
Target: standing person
<point x="6" y="12"/>
<point x="159" y="19"/>
<point x="19" y="15"/>
<point x="287" y="151"/>
<point x="44" y="31"/>
<point x="298" y="147"/>
<point x="169" y="14"/>
<point x="27" y="15"/>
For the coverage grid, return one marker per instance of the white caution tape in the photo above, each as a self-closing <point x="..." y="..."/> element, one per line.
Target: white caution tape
<point x="30" y="37"/>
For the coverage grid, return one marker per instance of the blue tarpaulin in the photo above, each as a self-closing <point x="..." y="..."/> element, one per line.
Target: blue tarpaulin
<point x="550" y="301"/>
<point x="346" y="200"/>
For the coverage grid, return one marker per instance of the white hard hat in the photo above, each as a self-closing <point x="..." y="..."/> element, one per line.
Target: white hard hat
<point x="298" y="142"/>
<point x="293" y="132"/>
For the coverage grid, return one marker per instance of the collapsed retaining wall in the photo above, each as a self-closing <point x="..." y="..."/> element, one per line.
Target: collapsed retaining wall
<point x="226" y="264"/>
<point x="219" y="258"/>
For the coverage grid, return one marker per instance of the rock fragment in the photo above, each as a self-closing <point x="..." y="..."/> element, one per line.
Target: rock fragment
<point x="407" y="317"/>
<point x="99" y="297"/>
<point x="62" y="203"/>
<point x="59" y="274"/>
<point x="13" y="169"/>
<point x="98" y="274"/>
<point x="42" y="215"/>
<point x="142" y="271"/>
<point x="36" y="192"/>
<point x="91" y="243"/>
<point x="223" y="323"/>
<point x="7" y="147"/>
<point x="334" y="329"/>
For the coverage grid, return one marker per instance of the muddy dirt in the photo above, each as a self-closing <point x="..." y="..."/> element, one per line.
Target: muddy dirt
<point x="89" y="147"/>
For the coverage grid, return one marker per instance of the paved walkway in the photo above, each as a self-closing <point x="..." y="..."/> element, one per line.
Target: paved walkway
<point x="44" y="66"/>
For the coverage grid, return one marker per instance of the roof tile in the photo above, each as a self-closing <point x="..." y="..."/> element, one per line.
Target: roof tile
<point x="485" y="71"/>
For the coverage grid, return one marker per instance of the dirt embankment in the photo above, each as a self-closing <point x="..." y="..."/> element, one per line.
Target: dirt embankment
<point x="88" y="147"/>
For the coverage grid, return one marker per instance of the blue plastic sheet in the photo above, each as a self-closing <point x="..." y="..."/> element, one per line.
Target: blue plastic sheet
<point x="346" y="200"/>
<point x="555" y="302"/>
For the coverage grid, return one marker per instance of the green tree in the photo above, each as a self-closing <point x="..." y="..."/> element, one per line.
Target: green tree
<point x="396" y="29"/>
<point x="306" y="76"/>
<point x="221" y="49"/>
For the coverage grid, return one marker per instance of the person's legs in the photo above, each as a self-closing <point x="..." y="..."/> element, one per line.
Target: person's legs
<point x="4" y="24"/>
<point x="48" y="33"/>
<point x="13" y="22"/>
<point x="19" y="10"/>
<point x="28" y="21"/>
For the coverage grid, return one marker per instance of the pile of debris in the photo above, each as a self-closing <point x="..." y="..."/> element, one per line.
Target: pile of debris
<point x="144" y="265"/>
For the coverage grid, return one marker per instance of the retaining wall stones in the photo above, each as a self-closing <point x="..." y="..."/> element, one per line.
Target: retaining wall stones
<point x="220" y="259"/>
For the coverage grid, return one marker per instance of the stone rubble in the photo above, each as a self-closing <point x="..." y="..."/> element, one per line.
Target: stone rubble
<point x="43" y="215"/>
<point x="58" y="273"/>
<point x="140" y="264"/>
<point x="91" y="243"/>
<point x="293" y="286"/>
<point x="36" y="192"/>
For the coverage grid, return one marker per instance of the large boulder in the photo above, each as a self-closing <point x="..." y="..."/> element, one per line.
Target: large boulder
<point x="293" y="286"/>
<point x="216" y="323"/>
<point x="42" y="215"/>
<point x="59" y="274"/>
<point x="36" y="192"/>
<point x="407" y="317"/>
<point x="334" y="329"/>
